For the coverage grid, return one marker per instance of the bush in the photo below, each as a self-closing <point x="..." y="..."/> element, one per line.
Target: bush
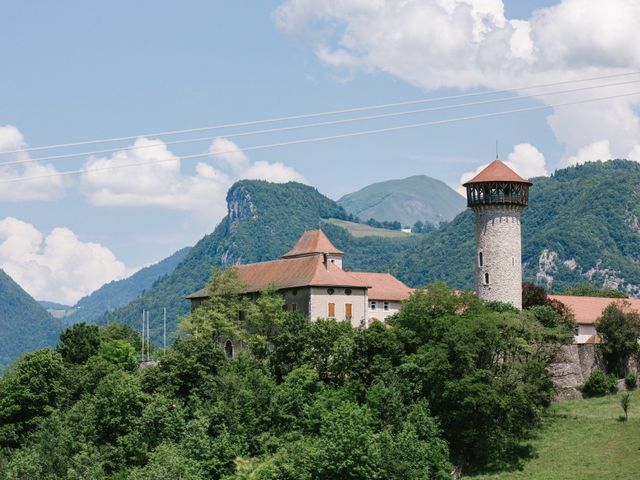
<point x="599" y="384"/>
<point x="631" y="381"/>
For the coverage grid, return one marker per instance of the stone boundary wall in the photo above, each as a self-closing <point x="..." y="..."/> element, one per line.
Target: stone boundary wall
<point x="572" y="368"/>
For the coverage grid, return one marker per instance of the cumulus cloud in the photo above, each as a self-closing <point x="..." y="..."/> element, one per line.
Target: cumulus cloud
<point x="600" y="150"/>
<point x="158" y="179"/>
<point x="525" y="159"/>
<point x="470" y="43"/>
<point x="59" y="267"/>
<point x="12" y="187"/>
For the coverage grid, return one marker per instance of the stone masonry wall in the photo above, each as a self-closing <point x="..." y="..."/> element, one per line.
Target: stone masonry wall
<point x="498" y="239"/>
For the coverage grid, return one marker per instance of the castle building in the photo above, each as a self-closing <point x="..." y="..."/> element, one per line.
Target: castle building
<point x="312" y="281"/>
<point x="497" y="196"/>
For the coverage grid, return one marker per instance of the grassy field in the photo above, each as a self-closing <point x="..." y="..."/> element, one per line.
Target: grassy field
<point x="362" y="230"/>
<point x="583" y="440"/>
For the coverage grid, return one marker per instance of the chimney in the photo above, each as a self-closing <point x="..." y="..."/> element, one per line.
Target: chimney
<point x="325" y="260"/>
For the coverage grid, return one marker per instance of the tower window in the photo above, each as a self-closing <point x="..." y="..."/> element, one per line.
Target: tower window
<point x="513" y="261"/>
<point x="480" y="259"/>
<point x="486" y="279"/>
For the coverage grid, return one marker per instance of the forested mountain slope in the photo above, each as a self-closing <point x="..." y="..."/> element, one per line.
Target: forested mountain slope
<point x="582" y="224"/>
<point x="120" y="292"/>
<point x="264" y="221"/>
<point x="24" y="324"/>
<point x="412" y="199"/>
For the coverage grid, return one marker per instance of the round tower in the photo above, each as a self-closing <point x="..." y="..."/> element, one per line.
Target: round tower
<point x="497" y="196"/>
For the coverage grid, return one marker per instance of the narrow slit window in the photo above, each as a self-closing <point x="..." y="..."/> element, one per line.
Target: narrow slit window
<point x="480" y="259"/>
<point x="486" y="279"/>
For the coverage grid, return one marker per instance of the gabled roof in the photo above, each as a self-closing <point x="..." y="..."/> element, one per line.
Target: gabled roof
<point x="312" y="242"/>
<point x="384" y="286"/>
<point x="588" y="309"/>
<point x="497" y="171"/>
<point x="305" y="271"/>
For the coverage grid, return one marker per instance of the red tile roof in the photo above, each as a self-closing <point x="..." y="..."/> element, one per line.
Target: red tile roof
<point x="497" y="171"/>
<point x="306" y="271"/>
<point x="588" y="309"/>
<point x="311" y="242"/>
<point x="384" y="286"/>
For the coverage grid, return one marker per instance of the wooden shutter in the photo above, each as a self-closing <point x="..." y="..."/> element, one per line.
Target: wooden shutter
<point x="332" y="310"/>
<point x="348" y="310"/>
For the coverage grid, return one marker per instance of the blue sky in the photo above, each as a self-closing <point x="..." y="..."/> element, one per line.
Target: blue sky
<point x="78" y="70"/>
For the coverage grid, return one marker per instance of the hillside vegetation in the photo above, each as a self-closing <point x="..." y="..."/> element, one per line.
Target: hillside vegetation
<point x="582" y="224"/>
<point x="583" y="440"/>
<point x="24" y="324"/>
<point x="120" y="292"/>
<point x="358" y="230"/>
<point x="412" y="199"/>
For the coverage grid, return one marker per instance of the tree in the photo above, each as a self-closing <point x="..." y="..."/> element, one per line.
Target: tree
<point x="78" y="343"/>
<point x="119" y="353"/>
<point x="29" y="392"/>
<point x="619" y="329"/>
<point x="588" y="290"/>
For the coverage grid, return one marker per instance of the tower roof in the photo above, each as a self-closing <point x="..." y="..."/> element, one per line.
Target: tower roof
<point x="312" y="242"/>
<point x="497" y="171"/>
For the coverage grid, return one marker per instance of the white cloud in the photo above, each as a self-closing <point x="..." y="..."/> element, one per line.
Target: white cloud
<point x="635" y="153"/>
<point x="470" y="43"/>
<point x="158" y="180"/>
<point x="12" y="187"/>
<point x="525" y="159"/>
<point x="58" y="267"/>
<point x="599" y="150"/>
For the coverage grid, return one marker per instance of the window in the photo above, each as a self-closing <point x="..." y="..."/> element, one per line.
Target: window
<point x="385" y="306"/>
<point x="348" y="311"/>
<point x="576" y="331"/>
<point x="480" y="259"/>
<point x="332" y="310"/>
<point x="347" y="291"/>
<point x="294" y="307"/>
<point x="486" y="279"/>
<point x="372" y="305"/>
<point x="242" y="315"/>
<point x="513" y="261"/>
<point x="330" y="291"/>
<point x="228" y="349"/>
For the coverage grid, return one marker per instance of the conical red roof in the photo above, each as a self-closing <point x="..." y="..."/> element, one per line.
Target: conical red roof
<point x="497" y="171"/>
<point x="311" y="242"/>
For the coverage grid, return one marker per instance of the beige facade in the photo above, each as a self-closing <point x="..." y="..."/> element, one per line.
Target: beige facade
<point x="323" y="297"/>
<point x="584" y="333"/>
<point x="382" y="309"/>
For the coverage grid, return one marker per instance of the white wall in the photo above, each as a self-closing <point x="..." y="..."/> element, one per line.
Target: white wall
<point x="584" y="332"/>
<point x="380" y="313"/>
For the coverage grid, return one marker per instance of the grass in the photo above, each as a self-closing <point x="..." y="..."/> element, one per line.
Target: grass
<point x="584" y="440"/>
<point x="362" y="230"/>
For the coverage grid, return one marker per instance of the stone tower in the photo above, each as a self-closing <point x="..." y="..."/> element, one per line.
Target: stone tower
<point x="497" y="196"/>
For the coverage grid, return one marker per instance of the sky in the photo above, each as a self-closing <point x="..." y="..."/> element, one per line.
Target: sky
<point x="76" y="71"/>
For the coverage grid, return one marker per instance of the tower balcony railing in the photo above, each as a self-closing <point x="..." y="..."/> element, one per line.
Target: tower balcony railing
<point x="497" y="193"/>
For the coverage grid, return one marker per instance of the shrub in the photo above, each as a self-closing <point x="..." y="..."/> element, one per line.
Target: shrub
<point x="631" y="381"/>
<point x="599" y="384"/>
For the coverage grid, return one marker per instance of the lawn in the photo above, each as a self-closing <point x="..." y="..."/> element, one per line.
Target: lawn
<point x="583" y="440"/>
<point x="363" y="230"/>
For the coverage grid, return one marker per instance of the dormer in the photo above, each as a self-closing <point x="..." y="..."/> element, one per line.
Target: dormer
<point x="315" y="242"/>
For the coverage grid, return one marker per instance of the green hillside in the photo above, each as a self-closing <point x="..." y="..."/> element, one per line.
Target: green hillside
<point x="412" y="199"/>
<point x="583" y="440"/>
<point x="264" y="221"/>
<point x="582" y="224"/>
<point x="118" y="293"/>
<point x="24" y="324"/>
<point x="359" y="230"/>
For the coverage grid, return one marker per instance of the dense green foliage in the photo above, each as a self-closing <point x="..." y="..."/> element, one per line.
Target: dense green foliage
<point x="599" y="383"/>
<point x="588" y="214"/>
<point x="588" y="290"/>
<point x="24" y="324"/>
<point x="120" y="292"/>
<point x="453" y="382"/>
<point x="619" y="329"/>
<point x="407" y="201"/>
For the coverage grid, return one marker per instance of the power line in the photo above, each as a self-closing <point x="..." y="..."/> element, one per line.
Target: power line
<point x="312" y="115"/>
<point x="318" y="124"/>
<point x="326" y="138"/>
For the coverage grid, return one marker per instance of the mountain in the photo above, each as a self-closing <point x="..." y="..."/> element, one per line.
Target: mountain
<point x="582" y="225"/>
<point x="264" y="220"/>
<point x="24" y="324"/>
<point x="118" y="293"/>
<point x="417" y="198"/>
